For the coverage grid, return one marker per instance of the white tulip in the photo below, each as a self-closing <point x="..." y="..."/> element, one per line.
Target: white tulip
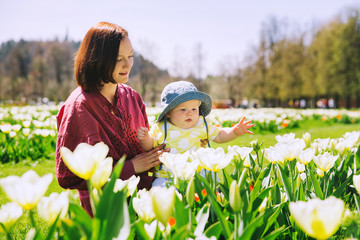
<point x="151" y="229"/>
<point x="26" y="131"/>
<point x="84" y="159"/>
<point x="320" y="219"/>
<point x="351" y="138"/>
<point x="27" y="189"/>
<point x="307" y="139"/>
<point x="212" y="159"/>
<point x="273" y="156"/>
<point x="102" y="173"/>
<point x="142" y="204"/>
<point x="5" y="128"/>
<point x="9" y="214"/>
<point x="163" y="202"/>
<point x="16" y="127"/>
<point x="320" y="145"/>
<point x="319" y="172"/>
<point x="180" y="165"/>
<point x="54" y="205"/>
<point x="300" y="167"/>
<point x="291" y="150"/>
<point x="26" y="123"/>
<point x="286" y="138"/>
<point x="325" y="161"/>
<point x="306" y="156"/>
<point x="130" y="184"/>
<point x="303" y="176"/>
<point x="242" y="152"/>
<point x="12" y="134"/>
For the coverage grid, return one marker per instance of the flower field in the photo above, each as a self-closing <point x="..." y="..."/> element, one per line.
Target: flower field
<point x="297" y="188"/>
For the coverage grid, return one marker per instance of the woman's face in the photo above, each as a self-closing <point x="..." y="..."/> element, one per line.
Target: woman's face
<point x="124" y="61"/>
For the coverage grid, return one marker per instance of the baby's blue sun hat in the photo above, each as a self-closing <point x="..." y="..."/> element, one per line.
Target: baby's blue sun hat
<point x="179" y="92"/>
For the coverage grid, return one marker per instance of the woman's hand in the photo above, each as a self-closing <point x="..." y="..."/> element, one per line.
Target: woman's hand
<point x="148" y="160"/>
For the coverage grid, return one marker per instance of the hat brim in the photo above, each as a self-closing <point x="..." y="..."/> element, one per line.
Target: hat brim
<point x="204" y="109"/>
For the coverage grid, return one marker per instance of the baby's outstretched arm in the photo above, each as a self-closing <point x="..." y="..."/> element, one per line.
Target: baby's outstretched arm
<point x="146" y="142"/>
<point x="229" y="134"/>
<point x="242" y="127"/>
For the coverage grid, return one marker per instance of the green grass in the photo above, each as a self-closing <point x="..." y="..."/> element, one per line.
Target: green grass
<point x="317" y="129"/>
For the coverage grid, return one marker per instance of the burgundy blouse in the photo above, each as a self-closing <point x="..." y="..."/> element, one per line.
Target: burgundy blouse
<point x="91" y="118"/>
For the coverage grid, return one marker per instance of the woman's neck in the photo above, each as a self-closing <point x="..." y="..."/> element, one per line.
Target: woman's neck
<point x="108" y="91"/>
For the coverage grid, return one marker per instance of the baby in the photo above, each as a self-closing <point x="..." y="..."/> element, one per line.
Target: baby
<point x="180" y="126"/>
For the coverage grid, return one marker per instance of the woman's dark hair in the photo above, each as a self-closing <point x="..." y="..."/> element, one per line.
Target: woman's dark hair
<point x="96" y="58"/>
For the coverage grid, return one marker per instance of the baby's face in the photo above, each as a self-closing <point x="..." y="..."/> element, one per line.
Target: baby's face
<point x="185" y="115"/>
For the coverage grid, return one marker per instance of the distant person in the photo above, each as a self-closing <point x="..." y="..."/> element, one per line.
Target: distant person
<point x="302" y="103"/>
<point x="180" y="126"/>
<point x="103" y="109"/>
<point x="245" y="103"/>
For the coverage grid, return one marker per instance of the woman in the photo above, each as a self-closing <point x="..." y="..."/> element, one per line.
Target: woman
<point x="103" y="109"/>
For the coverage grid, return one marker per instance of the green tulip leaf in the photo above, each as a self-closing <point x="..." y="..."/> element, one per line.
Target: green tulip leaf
<point x="214" y="204"/>
<point x="81" y="218"/>
<point x="261" y="221"/>
<point x="214" y="230"/>
<point x="271" y="220"/>
<point x="340" y="190"/>
<point x="275" y="234"/>
<point x="140" y="230"/>
<point x="103" y="210"/>
<point x="286" y="182"/>
<point x="258" y="184"/>
<point x="260" y="198"/>
<point x="118" y="221"/>
<point x="316" y="185"/>
<point x="73" y="232"/>
<point x="181" y="233"/>
<point x="180" y="214"/>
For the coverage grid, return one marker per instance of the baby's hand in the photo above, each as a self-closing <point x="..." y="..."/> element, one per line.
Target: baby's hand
<point x="143" y="134"/>
<point x="242" y="127"/>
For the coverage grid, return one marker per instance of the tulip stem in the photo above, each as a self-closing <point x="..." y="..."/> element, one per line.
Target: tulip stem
<point x="215" y="181"/>
<point x="93" y="202"/>
<point x="8" y="236"/>
<point x="190" y="222"/>
<point x="236" y="225"/>
<point x="32" y="219"/>
<point x="326" y="177"/>
<point x="258" y="159"/>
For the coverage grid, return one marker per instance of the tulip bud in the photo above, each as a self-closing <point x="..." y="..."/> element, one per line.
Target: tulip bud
<point x="190" y="192"/>
<point x="307" y="138"/>
<point x="256" y="145"/>
<point x="234" y="196"/>
<point x="163" y="202"/>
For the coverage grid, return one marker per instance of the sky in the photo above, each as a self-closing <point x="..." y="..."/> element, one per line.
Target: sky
<point x="168" y="32"/>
